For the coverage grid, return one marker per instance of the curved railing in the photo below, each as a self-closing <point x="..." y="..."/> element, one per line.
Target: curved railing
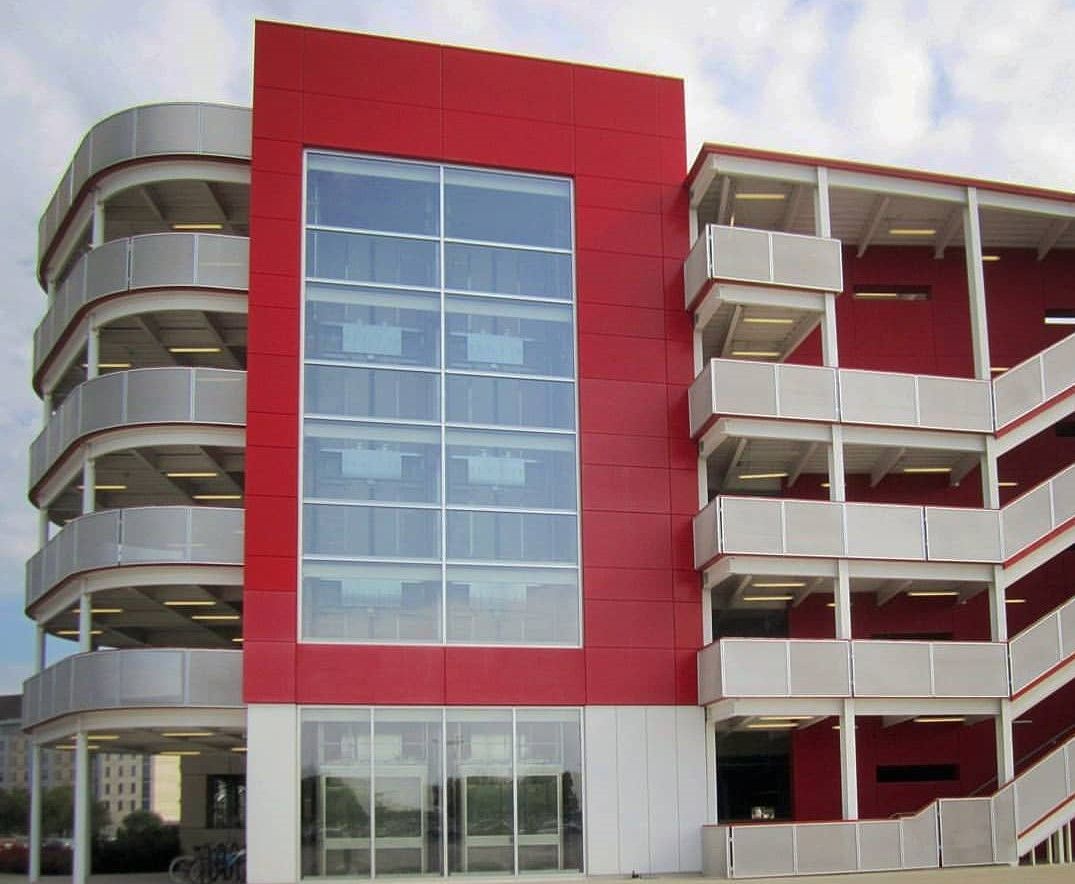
<point x="141" y="396"/>
<point x="149" y="535"/>
<point x="137" y="678"/>
<point x="151" y="130"/>
<point x="157" y="260"/>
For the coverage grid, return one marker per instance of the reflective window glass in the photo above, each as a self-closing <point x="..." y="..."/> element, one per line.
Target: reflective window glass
<point x="367" y="194"/>
<point x="497" y="605"/>
<point x="504" y="271"/>
<point x="510" y="402"/>
<point x="370" y="532"/>
<point x="372" y="392"/>
<point x="371" y="601"/>
<point x="480" y="791"/>
<point x="488" y="334"/>
<point x="512" y="537"/>
<point x="372" y="325"/>
<point x="353" y="461"/>
<point x="518" y="470"/>
<point x="498" y="207"/>
<point x="361" y="257"/>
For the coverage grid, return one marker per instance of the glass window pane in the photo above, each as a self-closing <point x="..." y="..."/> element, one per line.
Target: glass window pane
<point x="510" y="402"/>
<point x="407" y="777"/>
<point x="549" y="785"/>
<point x="372" y="195"/>
<point x="488" y="334"/>
<point x="507" y="271"/>
<point x="481" y="818"/>
<point x="335" y="793"/>
<point x="372" y="392"/>
<point x="372" y="325"/>
<point x="497" y="207"/>
<point x="518" y="470"/>
<point x="352" y="461"/>
<point x="359" y="257"/>
<point x="369" y="601"/>
<point x="492" y="605"/>
<point x="512" y="537"/>
<point x="370" y="532"/>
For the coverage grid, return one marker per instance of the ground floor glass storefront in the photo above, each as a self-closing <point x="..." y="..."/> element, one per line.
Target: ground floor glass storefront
<point x="421" y="791"/>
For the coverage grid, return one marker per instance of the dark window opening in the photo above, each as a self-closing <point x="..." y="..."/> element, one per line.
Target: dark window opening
<point x="917" y="773"/>
<point x="225" y="801"/>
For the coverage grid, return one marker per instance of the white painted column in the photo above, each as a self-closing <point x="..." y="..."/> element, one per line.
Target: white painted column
<point x="80" y="859"/>
<point x="89" y="484"/>
<point x="34" y="846"/>
<point x="97" y="234"/>
<point x="85" y="623"/>
<point x="1005" y="744"/>
<point x="42" y="527"/>
<point x="711" y="769"/>
<point x="272" y="794"/>
<point x="979" y="324"/>
<point x="93" y="350"/>
<point x="849" y="777"/>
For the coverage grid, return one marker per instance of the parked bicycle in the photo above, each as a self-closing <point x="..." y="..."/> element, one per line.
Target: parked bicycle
<point x="209" y="863"/>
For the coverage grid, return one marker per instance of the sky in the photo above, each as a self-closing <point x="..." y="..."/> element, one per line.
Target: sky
<point x="972" y="87"/>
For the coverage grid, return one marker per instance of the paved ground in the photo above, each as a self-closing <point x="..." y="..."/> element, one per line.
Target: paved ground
<point x="1023" y="875"/>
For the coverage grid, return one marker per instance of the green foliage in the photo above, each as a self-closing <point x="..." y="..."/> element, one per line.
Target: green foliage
<point x="143" y="844"/>
<point x="14" y="811"/>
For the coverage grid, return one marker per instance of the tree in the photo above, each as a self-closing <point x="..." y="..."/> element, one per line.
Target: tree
<point x="58" y="813"/>
<point x="14" y="811"/>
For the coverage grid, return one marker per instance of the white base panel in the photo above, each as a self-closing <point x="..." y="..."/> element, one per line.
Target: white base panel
<point x="645" y="789"/>
<point x="272" y="794"/>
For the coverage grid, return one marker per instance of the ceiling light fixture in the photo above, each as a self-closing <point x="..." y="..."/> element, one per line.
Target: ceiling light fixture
<point x="926" y="470"/>
<point x="216" y="496"/>
<point x="106" y="610"/>
<point x="238" y="639"/>
<point x="999" y="369"/>
<point x="768" y="320"/>
<point x="773" y="726"/>
<point x="912" y="231"/>
<point x="933" y="593"/>
<point x="178" y="734"/>
<point x="192" y="474"/>
<point x="939" y="719"/>
<point x="238" y="748"/>
<point x="102" y="736"/>
<point x="1015" y="601"/>
<point x="180" y="753"/>
<point x="990" y="257"/>
<point x="761" y="354"/>
<point x="215" y="617"/>
<point x="760" y="196"/>
<point x="1059" y="319"/>
<point x="880" y="296"/>
<point x="189" y="603"/>
<point x="763" y="475"/>
<point x="768" y="598"/>
<point x="1007" y="483"/>
<point x="198" y="225"/>
<point x="75" y="632"/>
<point x="194" y="349"/>
<point x="791" y="584"/>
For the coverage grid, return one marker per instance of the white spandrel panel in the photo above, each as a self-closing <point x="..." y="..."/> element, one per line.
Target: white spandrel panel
<point x="602" y="791"/>
<point x="661" y="783"/>
<point x="691" y="777"/>
<point x="634" y="794"/>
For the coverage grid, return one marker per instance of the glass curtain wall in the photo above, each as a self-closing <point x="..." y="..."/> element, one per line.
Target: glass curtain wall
<point x="440" y="462"/>
<point x="421" y="791"/>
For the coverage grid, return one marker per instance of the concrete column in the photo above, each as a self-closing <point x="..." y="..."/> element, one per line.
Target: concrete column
<point x="822" y="215"/>
<point x="979" y="325"/>
<point x="272" y="796"/>
<point x="34" y="847"/>
<point x="85" y="624"/>
<point x="39" y="648"/>
<point x="711" y="769"/>
<point x="849" y="778"/>
<point x="998" y="613"/>
<point x="837" y="488"/>
<point x="42" y="527"/>
<point x="830" y="349"/>
<point x="93" y="350"/>
<point x="89" y="484"/>
<point x="841" y="596"/>
<point x="97" y="235"/>
<point x="80" y="859"/>
<point x="1005" y="744"/>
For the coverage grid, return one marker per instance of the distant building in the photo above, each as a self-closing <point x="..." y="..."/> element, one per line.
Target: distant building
<point x="57" y="767"/>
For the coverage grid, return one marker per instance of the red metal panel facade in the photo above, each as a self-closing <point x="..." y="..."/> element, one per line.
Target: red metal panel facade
<point x="620" y="136"/>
